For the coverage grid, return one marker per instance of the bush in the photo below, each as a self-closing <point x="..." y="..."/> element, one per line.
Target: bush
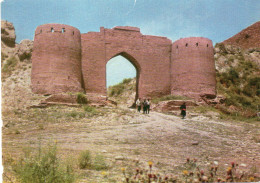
<point x="43" y="167"/>
<point x="88" y="108"/>
<point x="99" y="163"/>
<point x="3" y="56"/>
<point x="116" y="89"/>
<point x="75" y="114"/>
<point x="81" y="98"/>
<point x="222" y="48"/>
<point x="119" y="88"/>
<point x="9" y="65"/>
<point x="84" y="159"/>
<point x="127" y="80"/>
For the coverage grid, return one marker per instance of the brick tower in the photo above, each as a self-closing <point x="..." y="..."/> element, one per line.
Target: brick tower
<point x="56" y="59"/>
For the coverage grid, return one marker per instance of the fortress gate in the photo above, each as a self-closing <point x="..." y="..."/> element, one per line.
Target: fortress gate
<point x="64" y="60"/>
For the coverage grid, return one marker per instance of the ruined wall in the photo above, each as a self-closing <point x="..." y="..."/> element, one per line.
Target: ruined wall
<point x="56" y="59"/>
<point x="145" y="52"/>
<point x="193" y="67"/>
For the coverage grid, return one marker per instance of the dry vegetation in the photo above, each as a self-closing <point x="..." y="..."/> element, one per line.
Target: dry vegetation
<point x="118" y="144"/>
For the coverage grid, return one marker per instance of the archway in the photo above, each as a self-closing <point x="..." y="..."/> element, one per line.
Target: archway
<point x="122" y="79"/>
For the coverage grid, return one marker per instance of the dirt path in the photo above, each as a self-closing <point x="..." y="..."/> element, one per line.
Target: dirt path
<point x="164" y="139"/>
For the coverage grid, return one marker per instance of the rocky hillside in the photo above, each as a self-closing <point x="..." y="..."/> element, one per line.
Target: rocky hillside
<point x="13" y="55"/>
<point x="15" y="71"/>
<point x="123" y="93"/>
<point x="238" y="79"/>
<point x="247" y="38"/>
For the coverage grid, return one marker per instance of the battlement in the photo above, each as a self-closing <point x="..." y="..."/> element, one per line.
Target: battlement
<point x="193" y="42"/>
<point x="57" y="28"/>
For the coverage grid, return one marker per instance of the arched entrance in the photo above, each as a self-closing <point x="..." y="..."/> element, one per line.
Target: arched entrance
<point x="122" y="75"/>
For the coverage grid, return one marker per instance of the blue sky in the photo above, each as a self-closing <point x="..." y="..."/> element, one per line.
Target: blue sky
<point x="214" y="19"/>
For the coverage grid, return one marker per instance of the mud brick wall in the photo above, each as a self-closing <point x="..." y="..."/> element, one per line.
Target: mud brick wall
<point x="150" y="55"/>
<point x="193" y="67"/>
<point x="66" y="61"/>
<point x="56" y="59"/>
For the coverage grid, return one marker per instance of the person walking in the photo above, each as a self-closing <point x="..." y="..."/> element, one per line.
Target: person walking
<point x="148" y="105"/>
<point x="144" y="106"/>
<point x="183" y="110"/>
<point x="138" y="104"/>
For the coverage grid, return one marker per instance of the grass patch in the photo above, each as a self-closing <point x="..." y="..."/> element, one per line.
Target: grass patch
<point x="3" y="56"/>
<point x="9" y="66"/>
<point x="169" y="97"/>
<point x="204" y="109"/>
<point x="119" y="88"/>
<point x="91" y="111"/>
<point x="76" y="114"/>
<point x="85" y="161"/>
<point x="81" y="98"/>
<point x="43" y="167"/>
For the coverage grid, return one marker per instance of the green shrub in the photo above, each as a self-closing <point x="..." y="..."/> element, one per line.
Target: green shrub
<point x="43" y="167"/>
<point x="222" y="48"/>
<point x="3" y="56"/>
<point x="127" y="80"/>
<point x="84" y="160"/>
<point x="233" y="75"/>
<point x="9" y="65"/>
<point x="75" y="114"/>
<point x="116" y="89"/>
<point x="81" y="98"/>
<point x="90" y="109"/>
<point x="99" y="163"/>
<point x="119" y="88"/>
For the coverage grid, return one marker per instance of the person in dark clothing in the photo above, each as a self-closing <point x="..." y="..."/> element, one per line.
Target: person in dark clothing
<point x="183" y="110"/>
<point x="148" y="105"/>
<point x="144" y="106"/>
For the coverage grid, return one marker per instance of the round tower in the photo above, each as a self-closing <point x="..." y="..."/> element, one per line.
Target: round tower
<point x="193" y="68"/>
<point x="56" y="59"/>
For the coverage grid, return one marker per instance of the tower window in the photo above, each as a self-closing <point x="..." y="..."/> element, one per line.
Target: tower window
<point x="177" y="46"/>
<point x="63" y="30"/>
<point x="197" y="44"/>
<point x="41" y="31"/>
<point x="207" y="45"/>
<point x="186" y="44"/>
<point x="52" y="30"/>
<point x="72" y="32"/>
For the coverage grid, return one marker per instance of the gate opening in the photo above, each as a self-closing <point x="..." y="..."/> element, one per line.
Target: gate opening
<point x="122" y="76"/>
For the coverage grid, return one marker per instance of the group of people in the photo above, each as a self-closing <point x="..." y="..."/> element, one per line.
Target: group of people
<point x="145" y="104"/>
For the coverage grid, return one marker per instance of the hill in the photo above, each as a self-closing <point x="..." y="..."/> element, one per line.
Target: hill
<point x="238" y="79"/>
<point x="247" y="38"/>
<point x="124" y="93"/>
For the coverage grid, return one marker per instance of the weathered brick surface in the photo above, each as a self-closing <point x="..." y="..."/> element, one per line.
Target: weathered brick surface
<point x="59" y="60"/>
<point x="193" y="67"/>
<point x="150" y="56"/>
<point x="56" y="59"/>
